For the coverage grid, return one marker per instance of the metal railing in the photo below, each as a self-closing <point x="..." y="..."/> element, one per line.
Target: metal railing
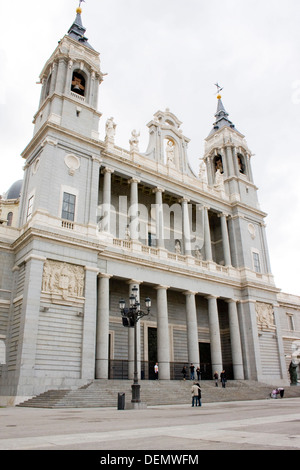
<point x="118" y="370"/>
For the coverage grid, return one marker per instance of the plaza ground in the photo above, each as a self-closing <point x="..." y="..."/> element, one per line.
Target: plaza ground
<point x="267" y="424"/>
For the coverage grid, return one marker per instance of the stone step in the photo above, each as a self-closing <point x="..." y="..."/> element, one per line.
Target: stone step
<point x="104" y="393"/>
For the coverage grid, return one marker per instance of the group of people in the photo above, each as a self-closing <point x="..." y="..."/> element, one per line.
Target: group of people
<point x="276" y="392"/>
<point x="223" y="378"/>
<point x="193" y="370"/>
<point x="196" y="394"/>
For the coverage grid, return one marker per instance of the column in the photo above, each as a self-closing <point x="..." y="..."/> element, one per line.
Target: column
<point x="231" y="169"/>
<point x="235" y="339"/>
<point x="133" y="210"/>
<point x="214" y="331"/>
<point x="102" y="331"/>
<point x="163" y="346"/>
<point x="94" y="185"/>
<point x="131" y="284"/>
<point x="106" y="201"/>
<point x="160" y="242"/>
<point x="89" y="324"/>
<point x="186" y="226"/>
<point x="225" y="239"/>
<point x="207" y="239"/>
<point x="192" y="328"/>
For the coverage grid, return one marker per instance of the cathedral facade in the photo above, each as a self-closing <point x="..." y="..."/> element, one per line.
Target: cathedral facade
<point x="97" y="222"/>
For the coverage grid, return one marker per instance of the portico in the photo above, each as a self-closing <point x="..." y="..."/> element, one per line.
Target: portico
<point x="182" y="320"/>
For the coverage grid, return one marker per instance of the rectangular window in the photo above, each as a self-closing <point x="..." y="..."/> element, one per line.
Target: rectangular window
<point x="68" y="207"/>
<point x="29" y="208"/>
<point x="291" y="322"/>
<point x="151" y="239"/>
<point x="256" y="262"/>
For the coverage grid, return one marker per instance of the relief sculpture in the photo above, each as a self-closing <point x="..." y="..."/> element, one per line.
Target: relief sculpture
<point x="265" y="316"/>
<point x="63" y="279"/>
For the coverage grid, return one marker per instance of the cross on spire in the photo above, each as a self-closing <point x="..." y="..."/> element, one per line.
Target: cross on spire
<point x="219" y="88"/>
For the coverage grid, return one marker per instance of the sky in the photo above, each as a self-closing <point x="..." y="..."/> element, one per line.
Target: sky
<point x="169" y="54"/>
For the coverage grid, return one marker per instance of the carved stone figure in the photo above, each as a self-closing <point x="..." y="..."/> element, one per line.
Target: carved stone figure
<point x="293" y="372"/>
<point x="170" y="151"/>
<point x="198" y="254"/>
<point x="63" y="278"/>
<point x="265" y="316"/>
<point x="110" y="128"/>
<point x="202" y="172"/>
<point x="219" y="182"/>
<point x="177" y="247"/>
<point x="134" y="141"/>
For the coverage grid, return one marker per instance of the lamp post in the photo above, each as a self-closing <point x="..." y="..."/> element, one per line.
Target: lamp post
<point x="130" y="317"/>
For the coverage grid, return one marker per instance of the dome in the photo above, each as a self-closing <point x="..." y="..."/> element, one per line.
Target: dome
<point x="14" y="191"/>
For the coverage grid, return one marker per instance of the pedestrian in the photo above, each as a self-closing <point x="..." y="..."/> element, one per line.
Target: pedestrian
<point x="195" y="394"/>
<point x="198" y="373"/>
<point x="223" y="378"/>
<point x="184" y="372"/>
<point x="156" y="371"/>
<point x="281" y="391"/>
<point x="216" y="377"/>
<point x="199" y="394"/>
<point x="192" y="369"/>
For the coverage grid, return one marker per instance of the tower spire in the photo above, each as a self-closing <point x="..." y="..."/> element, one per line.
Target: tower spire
<point x="221" y="115"/>
<point x="77" y="30"/>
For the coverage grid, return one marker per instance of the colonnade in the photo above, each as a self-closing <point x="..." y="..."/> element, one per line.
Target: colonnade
<point x="159" y="219"/>
<point x="163" y="339"/>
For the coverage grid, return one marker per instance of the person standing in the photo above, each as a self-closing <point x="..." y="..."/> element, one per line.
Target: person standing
<point x="198" y="373"/>
<point x="195" y="394"/>
<point x="223" y="378"/>
<point x="184" y="372"/>
<point x="199" y="394"/>
<point x="156" y="371"/>
<point x="216" y="377"/>
<point x="192" y="370"/>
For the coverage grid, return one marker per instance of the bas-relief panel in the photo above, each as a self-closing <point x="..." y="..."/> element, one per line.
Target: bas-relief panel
<point x="265" y="316"/>
<point x="63" y="281"/>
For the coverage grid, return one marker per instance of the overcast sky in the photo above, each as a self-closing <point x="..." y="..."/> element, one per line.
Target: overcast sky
<point x="169" y="53"/>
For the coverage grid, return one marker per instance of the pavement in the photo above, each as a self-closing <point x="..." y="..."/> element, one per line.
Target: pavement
<point x="270" y="424"/>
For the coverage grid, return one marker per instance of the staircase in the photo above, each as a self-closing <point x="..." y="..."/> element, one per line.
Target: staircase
<point x="104" y="393"/>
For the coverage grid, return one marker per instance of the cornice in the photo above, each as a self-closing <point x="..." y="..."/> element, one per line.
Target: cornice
<point x="34" y="233"/>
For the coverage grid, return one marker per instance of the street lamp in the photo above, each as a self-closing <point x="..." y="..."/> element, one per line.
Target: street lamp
<point x="130" y="317"/>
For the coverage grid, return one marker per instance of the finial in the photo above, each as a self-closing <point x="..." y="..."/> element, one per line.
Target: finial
<point x="218" y="90"/>
<point x="79" y="9"/>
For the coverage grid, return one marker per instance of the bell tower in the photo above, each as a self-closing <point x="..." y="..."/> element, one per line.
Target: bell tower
<point x="64" y="153"/>
<point x="228" y="158"/>
<point x="70" y="82"/>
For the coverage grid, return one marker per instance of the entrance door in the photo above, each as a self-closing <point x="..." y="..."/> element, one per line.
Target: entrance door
<point x="152" y="351"/>
<point x="205" y="361"/>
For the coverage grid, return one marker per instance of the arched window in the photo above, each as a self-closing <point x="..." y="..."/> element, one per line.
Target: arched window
<point x="218" y="163"/>
<point x="48" y="83"/>
<point x="78" y="83"/>
<point x="9" y="219"/>
<point x="241" y="164"/>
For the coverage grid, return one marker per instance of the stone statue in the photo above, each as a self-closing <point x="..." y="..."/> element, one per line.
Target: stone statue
<point x="198" y="254"/>
<point x="177" y="247"/>
<point x="293" y="372"/>
<point x="170" y="153"/>
<point x="110" y="129"/>
<point x="294" y="364"/>
<point x="202" y="172"/>
<point x="134" y="141"/>
<point x="219" y="182"/>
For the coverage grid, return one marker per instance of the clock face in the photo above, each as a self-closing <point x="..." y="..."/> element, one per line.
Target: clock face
<point x="78" y="84"/>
